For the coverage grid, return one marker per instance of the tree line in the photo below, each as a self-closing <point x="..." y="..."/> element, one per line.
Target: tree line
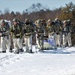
<point x="63" y="13"/>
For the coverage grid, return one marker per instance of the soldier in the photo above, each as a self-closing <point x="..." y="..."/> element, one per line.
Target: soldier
<point x="45" y="35"/>
<point x="58" y="32"/>
<point x="28" y="30"/>
<point x="11" y="46"/>
<point x="17" y="34"/>
<point x="5" y="36"/>
<point x="39" y="34"/>
<point x="51" y="32"/>
<point x="44" y="26"/>
<point x="66" y="34"/>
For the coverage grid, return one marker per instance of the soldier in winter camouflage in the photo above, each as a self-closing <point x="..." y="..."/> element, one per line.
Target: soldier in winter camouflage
<point x="44" y="26"/>
<point x="66" y="30"/>
<point x="28" y="31"/>
<point x="17" y="34"/>
<point x="58" y="32"/>
<point x="5" y="36"/>
<point x="40" y="33"/>
<point x="51" y="31"/>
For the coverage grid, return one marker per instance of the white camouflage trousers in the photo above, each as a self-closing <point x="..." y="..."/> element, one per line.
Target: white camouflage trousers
<point x="58" y="38"/>
<point x="67" y="39"/>
<point x="5" y="43"/>
<point x="17" y="42"/>
<point x="39" y="41"/>
<point x="28" y="43"/>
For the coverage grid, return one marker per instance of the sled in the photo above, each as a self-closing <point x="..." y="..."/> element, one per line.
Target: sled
<point x="49" y="43"/>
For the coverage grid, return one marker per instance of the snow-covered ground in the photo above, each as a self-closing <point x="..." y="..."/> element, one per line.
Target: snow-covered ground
<point x="60" y="62"/>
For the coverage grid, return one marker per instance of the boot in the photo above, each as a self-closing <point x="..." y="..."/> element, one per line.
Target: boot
<point x="30" y="51"/>
<point x="10" y="50"/>
<point x="27" y="50"/>
<point x="3" y="51"/>
<point x="21" y="50"/>
<point x="16" y="52"/>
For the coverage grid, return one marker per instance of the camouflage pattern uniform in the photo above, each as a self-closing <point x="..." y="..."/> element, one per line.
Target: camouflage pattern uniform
<point x="28" y="30"/>
<point x="17" y="34"/>
<point x="5" y="36"/>
<point x="39" y="34"/>
<point x="51" y="30"/>
<point x="66" y="34"/>
<point x="58" y="32"/>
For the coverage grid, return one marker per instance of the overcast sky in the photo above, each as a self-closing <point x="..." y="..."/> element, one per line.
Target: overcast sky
<point x="20" y="5"/>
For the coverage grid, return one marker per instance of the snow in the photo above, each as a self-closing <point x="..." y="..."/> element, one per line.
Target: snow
<point x="48" y="62"/>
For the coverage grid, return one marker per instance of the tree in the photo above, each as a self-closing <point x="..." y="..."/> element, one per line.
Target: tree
<point x="67" y="12"/>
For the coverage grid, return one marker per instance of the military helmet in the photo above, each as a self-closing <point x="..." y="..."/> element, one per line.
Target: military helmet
<point x="49" y="20"/>
<point x="65" y="21"/>
<point x="68" y="20"/>
<point x="2" y="21"/>
<point x="15" y="20"/>
<point x="43" y="21"/>
<point x="27" y="20"/>
<point x="38" y="21"/>
<point x="56" y="19"/>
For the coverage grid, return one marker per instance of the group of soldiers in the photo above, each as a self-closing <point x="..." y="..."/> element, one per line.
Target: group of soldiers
<point x="12" y="37"/>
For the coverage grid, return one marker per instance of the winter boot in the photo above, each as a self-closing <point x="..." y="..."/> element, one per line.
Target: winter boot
<point x="10" y="50"/>
<point x="3" y="51"/>
<point x="27" y="50"/>
<point x="16" y="52"/>
<point x="21" y="50"/>
<point x="30" y="51"/>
